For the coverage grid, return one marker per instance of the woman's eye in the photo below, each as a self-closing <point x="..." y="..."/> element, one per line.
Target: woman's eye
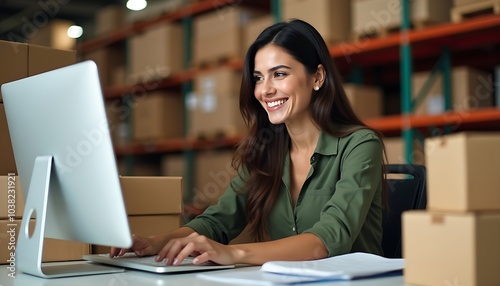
<point x="279" y="74"/>
<point x="258" y="78"/>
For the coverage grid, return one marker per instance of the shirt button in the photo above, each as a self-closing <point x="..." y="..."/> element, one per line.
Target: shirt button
<point x="313" y="158"/>
<point x="293" y="228"/>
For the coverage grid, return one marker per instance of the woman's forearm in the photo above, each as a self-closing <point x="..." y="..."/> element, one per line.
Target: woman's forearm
<point x="305" y="246"/>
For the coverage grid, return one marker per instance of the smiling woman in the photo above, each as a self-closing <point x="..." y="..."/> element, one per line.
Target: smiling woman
<point x="309" y="182"/>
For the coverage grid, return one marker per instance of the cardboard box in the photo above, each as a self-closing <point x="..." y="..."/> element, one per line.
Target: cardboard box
<point x="14" y="56"/>
<point x="54" y="34"/>
<point x="43" y="59"/>
<point x="156" y="53"/>
<point x="7" y="162"/>
<point x="373" y="16"/>
<point x="153" y="204"/>
<point x="22" y="61"/>
<point x="332" y="19"/>
<point x="158" y="115"/>
<point x="253" y="29"/>
<point x="107" y="59"/>
<point x="467" y="2"/>
<point x="11" y="198"/>
<point x="26" y="60"/>
<point x="451" y="248"/>
<point x="147" y="225"/>
<point x="214" y="105"/>
<point x="462" y="171"/>
<point x="212" y="116"/>
<point x="395" y="151"/>
<point x="154" y="224"/>
<point x="365" y="100"/>
<point x="109" y="19"/>
<point x="53" y="249"/>
<point x="213" y="173"/>
<point x="221" y="81"/>
<point x="471" y="89"/>
<point x="152" y="195"/>
<point x="218" y="35"/>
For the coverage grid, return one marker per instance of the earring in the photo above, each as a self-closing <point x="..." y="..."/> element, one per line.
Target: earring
<point x="316" y="88"/>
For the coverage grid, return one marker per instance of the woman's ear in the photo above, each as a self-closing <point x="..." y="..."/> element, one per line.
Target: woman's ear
<point x="319" y="77"/>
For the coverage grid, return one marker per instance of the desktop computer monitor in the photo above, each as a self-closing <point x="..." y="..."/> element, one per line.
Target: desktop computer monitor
<point x="66" y="164"/>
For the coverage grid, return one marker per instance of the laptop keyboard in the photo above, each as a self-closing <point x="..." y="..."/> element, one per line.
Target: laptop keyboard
<point x="150" y="260"/>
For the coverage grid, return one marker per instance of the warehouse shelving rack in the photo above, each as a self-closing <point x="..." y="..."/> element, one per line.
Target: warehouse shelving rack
<point x="407" y="48"/>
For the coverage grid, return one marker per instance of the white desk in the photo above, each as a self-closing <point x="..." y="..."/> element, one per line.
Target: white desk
<point x="131" y="278"/>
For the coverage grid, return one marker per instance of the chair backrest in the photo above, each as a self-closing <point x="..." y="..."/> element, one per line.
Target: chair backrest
<point x="405" y="192"/>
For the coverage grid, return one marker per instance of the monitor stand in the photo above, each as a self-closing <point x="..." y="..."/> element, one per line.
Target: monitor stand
<point x="29" y="247"/>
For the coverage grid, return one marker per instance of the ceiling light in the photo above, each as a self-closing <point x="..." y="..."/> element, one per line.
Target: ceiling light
<point x="136" y="5"/>
<point x="75" y="32"/>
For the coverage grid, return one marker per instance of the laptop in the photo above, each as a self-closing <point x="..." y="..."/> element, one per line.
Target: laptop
<point x="148" y="263"/>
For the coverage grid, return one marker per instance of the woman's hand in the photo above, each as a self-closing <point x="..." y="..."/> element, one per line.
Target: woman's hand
<point x="201" y="247"/>
<point x="140" y="245"/>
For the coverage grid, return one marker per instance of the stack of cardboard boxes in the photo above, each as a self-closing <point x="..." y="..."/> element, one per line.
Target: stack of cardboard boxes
<point x="213" y="107"/>
<point x="153" y="204"/>
<point x="218" y="35"/>
<point x="330" y="18"/>
<point x="19" y="61"/>
<point x="376" y="17"/>
<point x="457" y="240"/>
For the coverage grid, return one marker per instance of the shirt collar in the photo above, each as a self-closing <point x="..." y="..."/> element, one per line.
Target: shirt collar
<point x="327" y="144"/>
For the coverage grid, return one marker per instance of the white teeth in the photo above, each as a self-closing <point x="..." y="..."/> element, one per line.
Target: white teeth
<point x="276" y="103"/>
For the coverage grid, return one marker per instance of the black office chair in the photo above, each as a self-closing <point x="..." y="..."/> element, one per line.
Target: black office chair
<point x="407" y="192"/>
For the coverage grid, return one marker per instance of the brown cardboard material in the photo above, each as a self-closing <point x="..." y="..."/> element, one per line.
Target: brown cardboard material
<point x="154" y="224"/>
<point x="221" y="81"/>
<point x="374" y="16"/>
<point x="43" y="59"/>
<point x="7" y="162"/>
<point x="147" y="225"/>
<point x="215" y="116"/>
<point x="365" y="100"/>
<point x="218" y="35"/>
<point x="471" y="89"/>
<point x="53" y="249"/>
<point x="451" y="248"/>
<point x="253" y="29"/>
<point x="15" y="57"/>
<point x="11" y="198"/>
<point x="158" y="115"/>
<point x="332" y="19"/>
<point x="23" y="61"/>
<point x="462" y="171"/>
<point x="152" y="195"/>
<point x="157" y="53"/>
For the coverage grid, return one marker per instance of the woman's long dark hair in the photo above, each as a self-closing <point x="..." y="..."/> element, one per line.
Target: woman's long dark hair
<point x="262" y="151"/>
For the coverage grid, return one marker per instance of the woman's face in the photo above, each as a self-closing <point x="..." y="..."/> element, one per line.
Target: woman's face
<point x="283" y="86"/>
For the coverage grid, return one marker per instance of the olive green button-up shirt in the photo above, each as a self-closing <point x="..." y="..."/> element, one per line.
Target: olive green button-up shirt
<point x="340" y="201"/>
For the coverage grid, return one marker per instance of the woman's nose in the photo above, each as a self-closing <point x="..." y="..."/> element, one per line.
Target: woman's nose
<point x="268" y="88"/>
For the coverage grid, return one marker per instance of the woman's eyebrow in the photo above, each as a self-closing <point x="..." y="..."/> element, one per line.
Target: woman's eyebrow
<point x="273" y="69"/>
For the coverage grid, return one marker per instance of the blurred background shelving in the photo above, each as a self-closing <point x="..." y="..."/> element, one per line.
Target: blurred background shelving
<point x="172" y="99"/>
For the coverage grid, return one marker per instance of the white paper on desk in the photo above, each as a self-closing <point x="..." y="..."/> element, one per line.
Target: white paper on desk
<point x="254" y="276"/>
<point x="347" y="266"/>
